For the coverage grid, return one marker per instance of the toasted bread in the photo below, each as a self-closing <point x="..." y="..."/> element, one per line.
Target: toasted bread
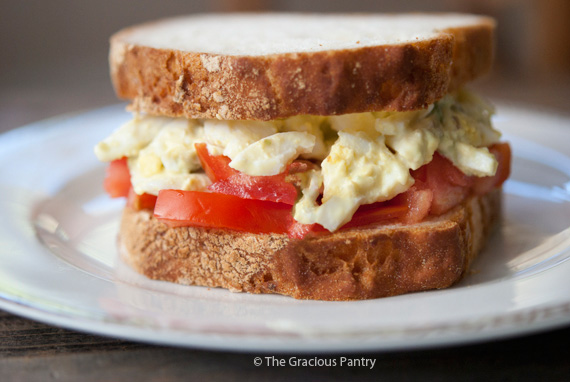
<point x="179" y="74"/>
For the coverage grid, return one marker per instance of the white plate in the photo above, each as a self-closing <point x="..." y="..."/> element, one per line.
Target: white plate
<point x="58" y="259"/>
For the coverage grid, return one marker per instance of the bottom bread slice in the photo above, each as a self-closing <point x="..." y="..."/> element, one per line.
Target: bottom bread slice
<point x="353" y="264"/>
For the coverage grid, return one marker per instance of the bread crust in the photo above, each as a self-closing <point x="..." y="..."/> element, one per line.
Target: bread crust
<point x="389" y="77"/>
<point x="353" y="264"/>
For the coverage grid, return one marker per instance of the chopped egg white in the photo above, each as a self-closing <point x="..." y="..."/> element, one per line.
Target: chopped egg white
<point x="272" y="154"/>
<point x="131" y="137"/>
<point x="229" y="138"/>
<point x="169" y="181"/>
<point x="410" y="136"/>
<point x="318" y="127"/>
<point x="172" y="149"/>
<point x="360" y="169"/>
<point x="365" y="157"/>
<point x="465" y="131"/>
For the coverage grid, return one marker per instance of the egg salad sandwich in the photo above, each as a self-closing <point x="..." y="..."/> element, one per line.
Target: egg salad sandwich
<point x="330" y="157"/>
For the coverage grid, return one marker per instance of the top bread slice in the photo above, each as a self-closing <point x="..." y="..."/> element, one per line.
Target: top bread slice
<point x="269" y="66"/>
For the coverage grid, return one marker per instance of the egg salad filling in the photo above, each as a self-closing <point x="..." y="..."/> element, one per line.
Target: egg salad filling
<point x="362" y="158"/>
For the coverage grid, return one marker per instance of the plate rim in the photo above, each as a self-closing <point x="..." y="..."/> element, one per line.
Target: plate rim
<point x="250" y="343"/>
<point x="81" y="323"/>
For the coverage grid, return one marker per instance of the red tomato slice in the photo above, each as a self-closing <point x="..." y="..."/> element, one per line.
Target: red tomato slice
<point x="257" y="188"/>
<point x="299" y="231"/>
<point x="450" y="186"/>
<point x="300" y="165"/>
<point x="208" y="209"/>
<point x="446" y="196"/>
<point x="420" y="174"/>
<point x="419" y="205"/>
<point x="452" y="174"/>
<point x="140" y="202"/>
<point x="228" y="181"/>
<point x="442" y="179"/>
<point x="117" y="181"/>
<point x="375" y="213"/>
<point x="217" y="167"/>
<point x="418" y="201"/>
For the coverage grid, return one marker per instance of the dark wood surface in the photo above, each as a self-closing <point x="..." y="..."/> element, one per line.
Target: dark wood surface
<point x="31" y="351"/>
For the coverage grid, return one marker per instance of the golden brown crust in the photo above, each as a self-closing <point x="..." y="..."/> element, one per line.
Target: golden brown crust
<point x="346" y="265"/>
<point x="473" y="53"/>
<point x="391" y="77"/>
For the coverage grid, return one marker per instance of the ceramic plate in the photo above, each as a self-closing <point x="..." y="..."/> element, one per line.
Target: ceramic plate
<point x="58" y="262"/>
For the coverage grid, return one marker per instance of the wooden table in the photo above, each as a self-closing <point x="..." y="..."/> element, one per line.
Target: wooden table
<point x="34" y="351"/>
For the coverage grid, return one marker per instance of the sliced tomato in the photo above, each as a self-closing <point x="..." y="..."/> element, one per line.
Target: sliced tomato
<point x="368" y="214"/>
<point x="502" y="151"/>
<point x="419" y="205"/>
<point x="269" y="188"/>
<point x="446" y="169"/>
<point x="442" y="178"/>
<point x="299" y="231"/>
<point x="208" y="209"/>
<point x="300" y="165"/>
<point x="217" y="167"/>
<point x="226" y="180"/>
<point x="417" y="200"/>
<point x="117" y="181"/>
<point x="140" y="202"/>
<point x="446" y="196"/>
<point x="375" y="213"/>
<point x="450" y="186"/>
<point x="420" y="174"/>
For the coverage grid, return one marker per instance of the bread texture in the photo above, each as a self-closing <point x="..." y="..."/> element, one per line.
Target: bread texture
<point x="355" y="264"/>
<point x="329" y="76"/>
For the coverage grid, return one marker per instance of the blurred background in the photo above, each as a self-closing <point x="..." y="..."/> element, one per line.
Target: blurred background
<point x="54" y="53"/>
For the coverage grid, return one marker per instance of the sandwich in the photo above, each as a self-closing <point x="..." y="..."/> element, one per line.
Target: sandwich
<point x="327" y="157"/>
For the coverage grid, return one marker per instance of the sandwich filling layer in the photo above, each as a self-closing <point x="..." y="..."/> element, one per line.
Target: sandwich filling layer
<point x="348" y="160"/>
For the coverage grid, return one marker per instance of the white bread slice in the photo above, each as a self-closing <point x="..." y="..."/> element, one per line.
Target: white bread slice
<point x="355" y="264"/>
<point x="268" y="66"/>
